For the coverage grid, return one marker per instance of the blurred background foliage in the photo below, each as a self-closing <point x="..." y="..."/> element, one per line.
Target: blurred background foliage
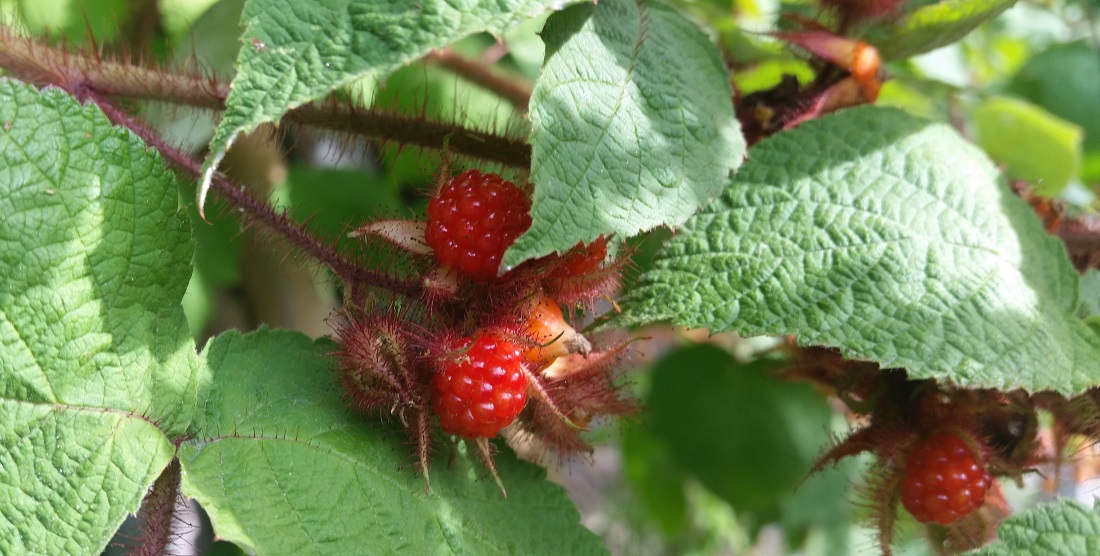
<point x="717" y="462"/>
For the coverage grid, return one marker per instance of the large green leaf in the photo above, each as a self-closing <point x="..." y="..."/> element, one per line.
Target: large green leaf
<point x="283" y="468"/>
<point x="1062" y="527"/>
<point x="95" y="352"/>
<point x="887" y="236"/>
<point x="748" y="437"/>
<point x="932" y="26"/>
<point x="633" y="125"/>
<point x="295" y="52"/>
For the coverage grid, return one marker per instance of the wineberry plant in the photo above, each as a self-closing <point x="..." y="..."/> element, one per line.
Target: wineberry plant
<point x="545" y="277"/>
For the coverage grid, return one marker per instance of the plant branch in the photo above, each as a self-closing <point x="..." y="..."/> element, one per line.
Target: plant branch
<point x="513" y="90"/>
<point x="35" y="62"/>
<point x="410" y="130"/>
<point x="257" y="210"/>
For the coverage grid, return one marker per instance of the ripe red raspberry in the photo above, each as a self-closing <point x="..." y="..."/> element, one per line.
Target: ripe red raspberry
<point x="473" y="220"/>
<point x="944" y="480"/>
<point x="482" y="390"/>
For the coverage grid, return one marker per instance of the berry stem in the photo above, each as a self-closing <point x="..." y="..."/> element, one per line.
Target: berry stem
<point x="257" y="210"/>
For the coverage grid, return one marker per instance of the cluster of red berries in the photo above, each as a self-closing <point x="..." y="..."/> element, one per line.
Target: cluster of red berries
<point x="472" y="221"/>
<point x="492" y="349"/>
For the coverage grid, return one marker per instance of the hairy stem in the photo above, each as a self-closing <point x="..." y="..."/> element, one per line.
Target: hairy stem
<point x="35" y="62"/>
<point x="513" y="90"/>
<point x="38" y="63"/>
<point x="158" y="511"/>
<point x="256" y="210"/>
<point x="410" y="130"/>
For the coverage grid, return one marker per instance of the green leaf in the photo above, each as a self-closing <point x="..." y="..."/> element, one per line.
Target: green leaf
<point x="297" y="52"/>
<point x="1033" y="144"/>
<point x="891" y="238"/>
<point x="72" y="474"/>
<point x="1061" y="527"/>
<point x="283" y="468"/>
<point x="633" y="126"/>
<point x="930" y="27"/>
<point x="95" y="352"/>
<point x="748" y="437"/>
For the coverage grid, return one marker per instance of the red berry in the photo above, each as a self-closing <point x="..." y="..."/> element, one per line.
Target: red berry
<point x="473" y="220"/>
<point x="481" y="390"/>
<point x="944" y="480"/>
<point x="581" y="260"/>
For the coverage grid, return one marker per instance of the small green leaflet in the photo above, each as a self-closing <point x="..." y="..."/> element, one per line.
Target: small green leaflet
<point x="633" y="125"/>
<point x="1033" y="144"/>
<point x="891" y="238"/>
<point x="1064" y="527"/>
<point x="932" y="26"/>
<point x="97" y="364"/>
<point x="296" y="52"/>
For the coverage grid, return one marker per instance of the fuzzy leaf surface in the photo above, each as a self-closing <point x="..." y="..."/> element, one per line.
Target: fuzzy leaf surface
<point x="633" y="127"/>
<point x="94" y="346"/>
<point x="932" y="26"/>
<point x="283" y="468"/>
<point x="296" y="52"/>
<point x="1061" y="527"/>
<point x="891" y="238"/>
